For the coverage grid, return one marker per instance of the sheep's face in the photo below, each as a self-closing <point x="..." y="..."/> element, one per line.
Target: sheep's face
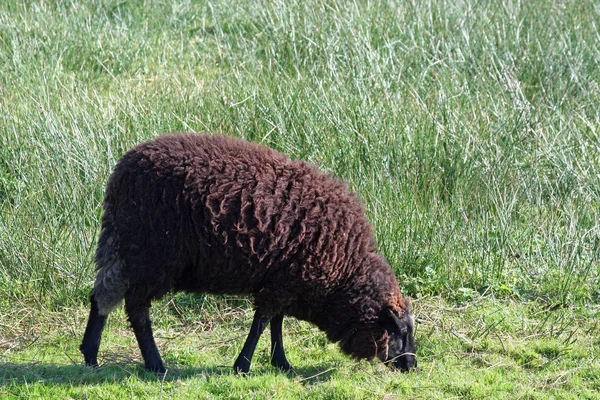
<point x="400" y="352"/>
<point x="390" y="338"/>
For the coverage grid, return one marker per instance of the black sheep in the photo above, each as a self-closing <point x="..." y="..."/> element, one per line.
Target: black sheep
<point x="215" y="214"/>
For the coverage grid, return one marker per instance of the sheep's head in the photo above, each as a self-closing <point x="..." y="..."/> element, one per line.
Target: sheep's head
<point x="379" y="323"/>
<point x="400" y="350"/>
<point x="390" y="337"/>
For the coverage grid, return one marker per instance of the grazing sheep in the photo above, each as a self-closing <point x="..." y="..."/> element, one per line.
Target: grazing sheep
<point x="215" y="214"/>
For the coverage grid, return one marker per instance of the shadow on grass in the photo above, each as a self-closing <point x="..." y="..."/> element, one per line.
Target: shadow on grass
<point x="11" y="373"/>
<point x="51" y="374"/>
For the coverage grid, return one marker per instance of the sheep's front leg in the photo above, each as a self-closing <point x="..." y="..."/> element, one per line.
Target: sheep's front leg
<point x="242" y="364"/>
<point x="278" y="358"/>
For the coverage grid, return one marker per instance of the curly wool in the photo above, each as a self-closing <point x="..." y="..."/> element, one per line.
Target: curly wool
<point x="216" y="214"/>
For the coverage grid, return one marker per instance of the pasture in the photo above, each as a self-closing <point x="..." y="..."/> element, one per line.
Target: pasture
<point x="470" y="130"/>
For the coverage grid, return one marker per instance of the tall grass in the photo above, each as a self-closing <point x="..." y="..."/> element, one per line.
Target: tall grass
<point x="470" y="129"/>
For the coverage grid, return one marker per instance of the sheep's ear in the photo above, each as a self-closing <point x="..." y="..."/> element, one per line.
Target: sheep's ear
<point x="390" y="315"/>
<point x="400" y="304"/>
<point x="406" y="303"/>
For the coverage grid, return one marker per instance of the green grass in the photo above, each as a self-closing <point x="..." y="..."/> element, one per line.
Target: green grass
<point x="488" y="349"/>
<point x="470" y="129"/>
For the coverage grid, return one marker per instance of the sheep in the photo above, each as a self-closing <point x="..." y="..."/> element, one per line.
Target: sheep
<point x="215" y="214"/>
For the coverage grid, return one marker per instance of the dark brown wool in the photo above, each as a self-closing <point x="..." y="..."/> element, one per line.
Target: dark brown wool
<point x="220" y="215"/>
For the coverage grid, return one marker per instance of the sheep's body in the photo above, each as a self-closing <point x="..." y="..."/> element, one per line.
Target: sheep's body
<point x="219" y="215"/>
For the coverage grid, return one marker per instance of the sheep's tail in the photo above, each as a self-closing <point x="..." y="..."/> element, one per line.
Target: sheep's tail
<point x="111" y="281"/>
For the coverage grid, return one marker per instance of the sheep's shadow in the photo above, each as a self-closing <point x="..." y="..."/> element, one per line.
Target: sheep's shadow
<point x="80" y="375"/>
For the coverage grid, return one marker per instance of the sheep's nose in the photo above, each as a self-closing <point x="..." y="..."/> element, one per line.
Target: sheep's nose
<point x="405" y="362"/>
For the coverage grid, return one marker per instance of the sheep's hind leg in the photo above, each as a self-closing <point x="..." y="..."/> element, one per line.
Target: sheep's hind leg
<point x="138" y="312"/>
<point x="278" y="358"/>
<point x="242" y="364"/>
<point x="93" y="333"/>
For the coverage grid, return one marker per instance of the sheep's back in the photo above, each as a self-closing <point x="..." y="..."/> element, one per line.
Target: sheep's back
<point x="217" y="214"/>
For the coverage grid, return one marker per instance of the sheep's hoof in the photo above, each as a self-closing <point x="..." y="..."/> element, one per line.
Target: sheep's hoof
<point x="91" y="364"/>
<point x="157" y="369"/>
<point x="90" y="361"/>
<point x="283" y="366"/>
<point x="241" y="367"/>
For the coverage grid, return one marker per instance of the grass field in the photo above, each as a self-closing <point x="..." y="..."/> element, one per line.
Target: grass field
<point x="470" y="129"/>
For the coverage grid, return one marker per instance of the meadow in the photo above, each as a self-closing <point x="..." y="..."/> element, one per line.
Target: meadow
<point x="470" y="130"/>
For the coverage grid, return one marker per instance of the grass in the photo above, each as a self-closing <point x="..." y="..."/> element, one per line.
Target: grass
<point x="470" y="130"/>
<point x="486" y="349"/>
